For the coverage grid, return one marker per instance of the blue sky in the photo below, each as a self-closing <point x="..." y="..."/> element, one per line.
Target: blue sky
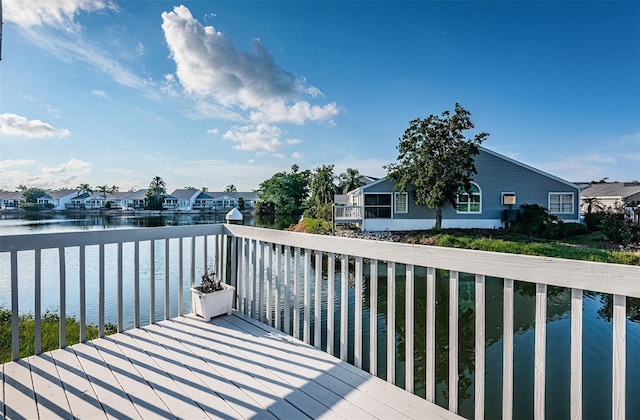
<point x="206" y="93"/>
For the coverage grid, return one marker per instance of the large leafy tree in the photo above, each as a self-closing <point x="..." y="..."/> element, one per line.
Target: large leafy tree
<point x="156" y="193"/>
<point x="437" y="159"/>
<point x="322" y="186"/>
<point x="349" y="180"/>
<point x="283" y="193"/>
<point x="30" y="199"/>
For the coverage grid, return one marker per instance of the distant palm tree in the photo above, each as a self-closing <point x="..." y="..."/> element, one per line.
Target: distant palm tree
<point x="322" y="186"/>
<point x="155" y="194"/>
<point x="21" y="187"/>
<point x="349" y="180"/>
<point x="230" y="188"/>
<point x="113" y="189"/>
<point x="104" y="189"/>
<point x="84" y="188"/>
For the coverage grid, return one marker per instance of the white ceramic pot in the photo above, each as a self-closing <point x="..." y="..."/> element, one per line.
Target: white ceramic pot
<point x="208" y="305"/>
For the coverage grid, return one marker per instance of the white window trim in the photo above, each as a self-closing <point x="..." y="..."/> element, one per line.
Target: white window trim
<point x="395" y="201"/>
<point x="480" y="207"/>
<point x="573" y="202"/>
<point x="508" y="193"/>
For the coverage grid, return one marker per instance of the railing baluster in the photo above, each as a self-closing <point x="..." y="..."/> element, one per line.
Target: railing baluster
<point x="136" y="284"/>
<point x="317" y="318"/>
<point x="431" y="335"/>
<point x="152" y="278"/>
<point x="247" y="274"/>
<point x="37" y="327"/>
<point x="254" y="276"/>
<point x="15" y="325"/>
<point x="83" y="302"/>
<point x="278" y="293"/>
<point x="287" y="291"/>
<point x="119" y="288"/>
<point x="331" y="298"/>
<point x="409" y="321"/>
<point x="269" y="284"/>
<point x="167" y="258"/>
<point x="391" y="322"/>
<point x="180" y="277"/>
<point x="619" y="356"/>
<point x="373" y="317"/>
<point x="307" y="296"/>
<point x="205" y="250"/>
<point x="576" y="354"/>
<point x="101" y="290"/>
<point x="193" y="263"/>
<point x="62" y="338"/>
<point x="453" y="341"/>
<point x="260" y="280"/>
<point x="221" y="255"/>
<point x="507" y="363"/>
<point x="344" y="306"/>
<point x="480" y="344"/>
<point x="540" y="351"/>
<point x="296" y="294"/>
<point x="357" y="324"/>
<point x="234" y="268"/>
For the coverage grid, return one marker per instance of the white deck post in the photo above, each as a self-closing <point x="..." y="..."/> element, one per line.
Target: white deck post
<point x="453" y="341"/>
<point x="540" y="351"/>
<point x="507" y="363"/>
<point x="373" y="318"/>
<point x="391" y="322"/>
<point x="409" y="321"/>
<point x="619" y="357"/>
<point x="480" y="344"/>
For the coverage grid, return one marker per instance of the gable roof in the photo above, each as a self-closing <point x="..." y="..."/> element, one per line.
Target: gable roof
<point x="183" y="194"/>
<point x="61" y="193"/>
<point x="246" y="195"/>
<point x="612" y="189"/>
<point x="10" y="195"/>
<point x="503" y="157"/>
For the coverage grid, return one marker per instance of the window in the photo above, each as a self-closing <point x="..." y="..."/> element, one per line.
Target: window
<point x="508" y="199"/>
<point x="401" y="203"/>
<point x="469" y="201"/>
<point x="377" y="206"/>
<point x="560" y="202"/>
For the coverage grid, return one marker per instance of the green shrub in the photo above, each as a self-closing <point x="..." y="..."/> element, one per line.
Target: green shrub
<point x="317" y="226"/>
<point x="324" y="212"/>
<point x="594" y="221"/>
<point x="618" y="229"/>
<point x="536" y="220"/>
<point x="574" y="229"/>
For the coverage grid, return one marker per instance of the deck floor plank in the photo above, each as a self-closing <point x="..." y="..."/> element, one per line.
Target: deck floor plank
<point x="247" y="361"/>
<point x="106" y="386"/>
<point x="47" y="386"/>
<point x="18" y="391"/>
<point x="144" y="398"/>
<point x="81" y="396"/>
<point x="232" y="367"/>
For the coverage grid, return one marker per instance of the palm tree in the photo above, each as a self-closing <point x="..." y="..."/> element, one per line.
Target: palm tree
<point x="84" y="188"/>
<point x="349" y="180"/>
<point x="155" y="194"/>
<point x="591" y="203"/>
<point x="322" y="186"/>
<point x="230" y="188"/>
<point x="22" y="188"/>
<point x="113" y="189"/>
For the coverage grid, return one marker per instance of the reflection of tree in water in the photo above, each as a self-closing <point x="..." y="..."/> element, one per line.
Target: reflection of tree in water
<point x="606" y="309"/>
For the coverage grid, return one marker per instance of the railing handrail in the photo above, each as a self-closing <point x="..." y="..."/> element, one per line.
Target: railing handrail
<point x="594" y="276"/>
<point x="39" y="241"/>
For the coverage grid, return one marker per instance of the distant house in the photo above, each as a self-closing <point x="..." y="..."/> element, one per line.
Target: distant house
<point x="59" y="199"/>
<point x="10" y="200"/>
<point x="181" y="200"/>
<point x="499" y="188"/>
<point x="134" y="199"/>
<point x="228" y="200"/>
<point x="79" y="201"/>
<point x="611" y="194"/>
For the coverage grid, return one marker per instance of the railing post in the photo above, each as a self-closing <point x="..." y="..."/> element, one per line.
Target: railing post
<point x="409" y="325"/>
<point x="391" y="322"/>
<point x="15" y="325"/>
<point x="307" y="296"/>
<point x="152" y="278"/>
<point x="480" y="344"/>
<point x="119" y="288"/>
<point x="81" y="292"/>
<point x="101" y="308"/>
<point x="296" y="294"/>
<point x="234" y="268"/>
<point x="287" y="291"/>
<point x="540" y="351"/>
<point x="167" y="273"/>
<point x="357" y="322"/>
<point x="331" y="297"/>
<point x="344" y="306"/>
<point x="507" y="363"/>
<point x="317" y="319"/>
<point x="180" y="278"/>
<point x="37" y="345"/>
<point x="62" y="338"/>
<point x="453" y="341"/>
<point x="431" y="335"/>
<point x="373" y="317"/>
<point x="619" y="357"/>
<point x="260" y="280"/>
<point x="278" y="291"/>
<point x="269" y="284"/>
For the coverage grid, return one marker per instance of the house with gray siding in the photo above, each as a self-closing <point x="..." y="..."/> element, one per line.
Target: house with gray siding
<point x="498" y="190"/>
<point x="181" y="200"/>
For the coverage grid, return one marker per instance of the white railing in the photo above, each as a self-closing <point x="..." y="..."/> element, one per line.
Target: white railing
<point x="273" y="276"/>
<point x="347" y="213"/>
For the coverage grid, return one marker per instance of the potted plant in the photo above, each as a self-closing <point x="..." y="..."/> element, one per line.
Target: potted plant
<point x="212" y="297"/>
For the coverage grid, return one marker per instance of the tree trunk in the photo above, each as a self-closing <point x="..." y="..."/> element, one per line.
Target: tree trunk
<point x="439" y="218"/>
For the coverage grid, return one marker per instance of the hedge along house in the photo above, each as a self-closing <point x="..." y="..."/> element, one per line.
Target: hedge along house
<point x="498" y="190"/>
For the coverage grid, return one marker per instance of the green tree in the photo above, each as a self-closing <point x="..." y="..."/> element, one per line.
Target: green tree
<point x="230" y="188"/>
<point x="155" y="194"/>
<point x="435" y="157"/>
<point x="241" y="203"/>
<point x="283" y="193"/>
<point x="322" y="186"/>
<point x="30" y="199"/>
<point x="592" y="203"/>
<point x="104" y="189"/>
<point x="21" y="187"/>
<point x="113" y="189"/>
<point x="349" y="181"/>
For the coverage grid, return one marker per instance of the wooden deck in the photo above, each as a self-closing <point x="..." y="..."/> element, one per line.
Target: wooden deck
<point x="233" y="367"/>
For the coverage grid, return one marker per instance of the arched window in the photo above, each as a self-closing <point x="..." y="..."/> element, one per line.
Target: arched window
<point x="470" y="201"/>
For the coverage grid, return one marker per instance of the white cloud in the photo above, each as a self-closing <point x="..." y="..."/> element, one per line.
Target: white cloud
<point x="100" y="93"/>
<point x="51" y="12"/>
<point x="208" y="65"/>
<point x="16" y="125"/>
<point x="212" y="131"/>
<point x="255" y="137"/>
<point x="298" y="113"/>
<point x="11" y="163"/>
<point x="67" y="174"/>
<point x="297" y="155"/>
<point x="294" y="141"/>
<point x="279" y="155"/>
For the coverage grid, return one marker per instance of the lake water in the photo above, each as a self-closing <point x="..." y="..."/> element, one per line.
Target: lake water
<point x="597" y="325"/>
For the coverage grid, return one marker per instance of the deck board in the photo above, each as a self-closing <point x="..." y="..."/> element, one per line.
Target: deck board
<point x="232" y="367"/>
